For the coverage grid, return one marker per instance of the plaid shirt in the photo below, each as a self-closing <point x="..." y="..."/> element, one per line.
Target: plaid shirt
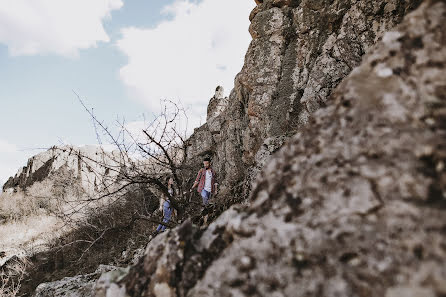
<point x="201" y="179"/>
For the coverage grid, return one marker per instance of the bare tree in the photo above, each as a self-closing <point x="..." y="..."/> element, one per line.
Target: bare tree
<point x="11" y="276"/>
<point x="138" y="158"/>
<point x="156" y="151"/>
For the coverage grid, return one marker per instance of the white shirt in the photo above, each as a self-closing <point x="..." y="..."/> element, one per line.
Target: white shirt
<point x="208" y="181"/>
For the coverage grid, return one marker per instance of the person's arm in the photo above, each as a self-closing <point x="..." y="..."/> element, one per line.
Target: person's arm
<point x="197" y="180"/>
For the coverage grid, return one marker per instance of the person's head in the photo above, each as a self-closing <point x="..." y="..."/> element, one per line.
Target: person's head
<point x="206" y="162"/>
<point x="169" y="180"/>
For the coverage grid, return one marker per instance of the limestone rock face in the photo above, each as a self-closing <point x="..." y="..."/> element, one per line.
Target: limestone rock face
<point x="206" y="140"/>
<point x="353" y="205"/>
<point x="300" y="51"/>
<point x="84" y="163"/>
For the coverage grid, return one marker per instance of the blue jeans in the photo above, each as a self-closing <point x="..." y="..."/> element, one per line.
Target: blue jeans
<point x="162" y="227"/>
<point x="205" y="195"/>
<point x="167" y="214"/>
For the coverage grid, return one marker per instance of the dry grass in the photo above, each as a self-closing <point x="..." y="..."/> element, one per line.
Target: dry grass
<point x="25" y="217"/>
<point x="36" y="200"/>
<point x="28" y="233"/>
<point x="27" y="224"/>
<point x="37" y="224"/>
<point x="28" y="220"/>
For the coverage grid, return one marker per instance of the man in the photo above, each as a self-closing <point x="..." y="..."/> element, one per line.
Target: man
<point x="206" y="181"/>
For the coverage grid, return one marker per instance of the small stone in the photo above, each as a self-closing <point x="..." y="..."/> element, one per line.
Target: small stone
<point x="355" y="261"/>
<point x="300" y="257"/>
<point x="246" y="263"/>
<point x="430" y="121"/>
<point x="424" y="151"/>
<point x="384" y="72"/>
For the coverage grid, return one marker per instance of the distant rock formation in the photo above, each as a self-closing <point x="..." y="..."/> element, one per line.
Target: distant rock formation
<point x="83" y="163"/>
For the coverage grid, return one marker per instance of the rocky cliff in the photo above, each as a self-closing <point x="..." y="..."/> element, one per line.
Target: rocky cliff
<point x="86" y="164"/>
<point x="301" y="50"/>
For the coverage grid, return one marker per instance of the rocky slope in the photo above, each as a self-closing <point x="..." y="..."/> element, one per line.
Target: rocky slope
<point x="355" y="203"/>
<point x="84" y="163"/>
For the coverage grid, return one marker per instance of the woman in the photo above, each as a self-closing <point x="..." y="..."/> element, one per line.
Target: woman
<point x="167" y="209"/>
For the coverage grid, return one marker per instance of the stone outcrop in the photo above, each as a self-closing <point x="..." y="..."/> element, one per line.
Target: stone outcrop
<point x="84" y="163"/>
<point x="353" y="205"/>
<point x="300" y="51"/>
<point x="217" y="105"/>
<point x="76" y="286"/>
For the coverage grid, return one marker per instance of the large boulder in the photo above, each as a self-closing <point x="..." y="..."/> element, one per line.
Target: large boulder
<point x="173" y="261"/>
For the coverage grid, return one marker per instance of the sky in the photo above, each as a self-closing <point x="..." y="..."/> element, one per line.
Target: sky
<point x="120" y="56"/>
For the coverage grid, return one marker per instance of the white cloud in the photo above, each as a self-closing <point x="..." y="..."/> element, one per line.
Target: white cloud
<point x="200" y="46"/>
<point x="30" y="27"/>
